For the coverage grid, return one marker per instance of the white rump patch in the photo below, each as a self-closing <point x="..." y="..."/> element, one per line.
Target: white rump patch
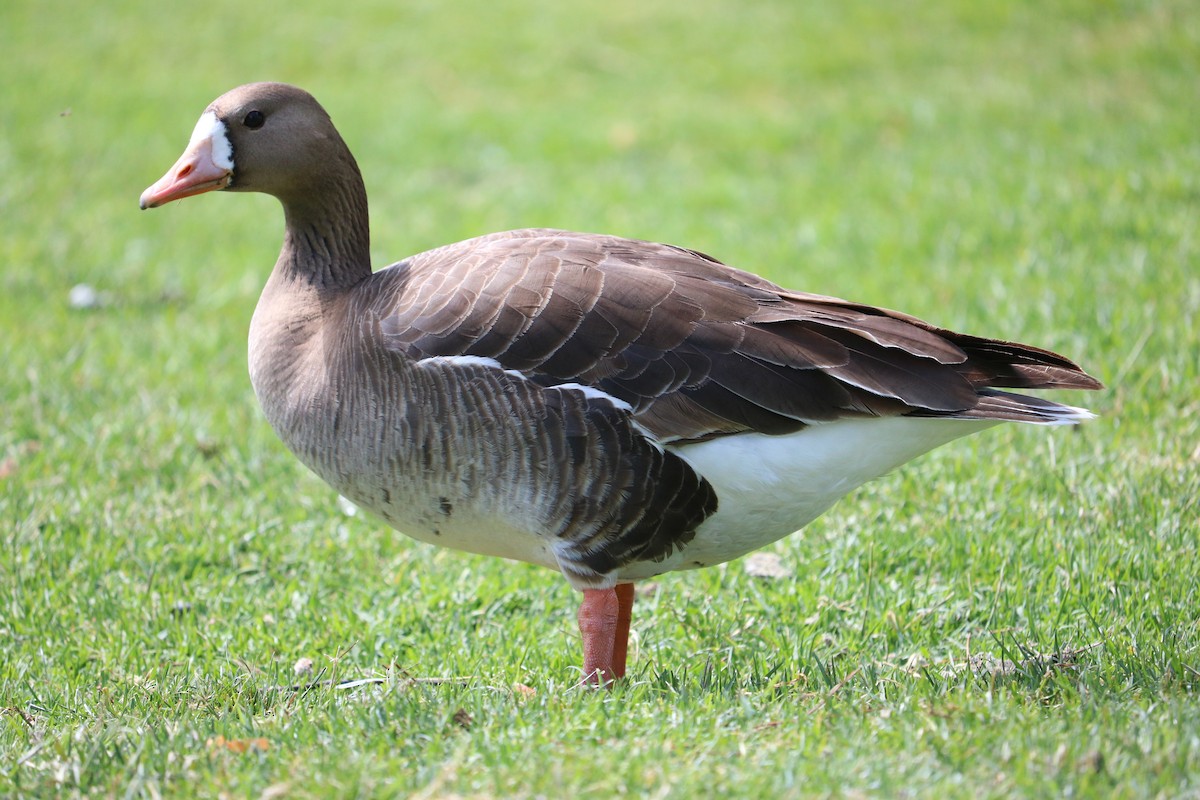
<point x="211" y="128"/>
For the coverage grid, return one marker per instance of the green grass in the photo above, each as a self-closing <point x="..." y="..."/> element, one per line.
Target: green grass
<point x="1013" y="615"/>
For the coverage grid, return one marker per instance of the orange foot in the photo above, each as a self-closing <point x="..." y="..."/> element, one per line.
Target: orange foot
<point x="604" y="618"/>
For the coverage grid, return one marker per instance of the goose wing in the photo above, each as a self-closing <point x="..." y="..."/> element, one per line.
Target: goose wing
<point x="696" y="348"/>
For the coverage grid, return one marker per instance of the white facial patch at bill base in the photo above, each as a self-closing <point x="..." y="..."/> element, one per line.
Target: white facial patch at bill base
<point x="211" y="128"/>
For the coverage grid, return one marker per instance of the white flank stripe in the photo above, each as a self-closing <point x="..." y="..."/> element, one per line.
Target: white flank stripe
<point x="461" y="361"/>
<point x="592" y="393"/>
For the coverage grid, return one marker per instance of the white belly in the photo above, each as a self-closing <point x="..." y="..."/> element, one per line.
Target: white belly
<point x="771" y="486"/>
<point x="767" y="488"/>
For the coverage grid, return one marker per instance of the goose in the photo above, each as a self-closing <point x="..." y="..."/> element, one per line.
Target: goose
<point x="609" y="408"/>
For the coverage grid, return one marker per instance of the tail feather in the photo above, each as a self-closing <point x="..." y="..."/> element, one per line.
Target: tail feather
<point x="991" y="362"/>
<point x="1009" y="407"/>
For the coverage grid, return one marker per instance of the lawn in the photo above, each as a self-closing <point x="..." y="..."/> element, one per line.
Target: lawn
<point x="1017" y="614"/>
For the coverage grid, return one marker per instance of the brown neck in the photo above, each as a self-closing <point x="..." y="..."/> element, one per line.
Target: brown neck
<point x="328" y="240"/>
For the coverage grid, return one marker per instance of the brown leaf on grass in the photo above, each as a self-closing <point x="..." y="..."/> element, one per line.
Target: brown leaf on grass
<point x="9" y="465"/>
<point x="766" y="565"/>
<point x="524" y="692"/>
<point x="238" y="745"/>
<point x="208" y="448"/>
<point x="1033" y="662"/>
<point x="1091" y="762"/>
<point x="463" y="719"/>
<point x="20" y="712"/>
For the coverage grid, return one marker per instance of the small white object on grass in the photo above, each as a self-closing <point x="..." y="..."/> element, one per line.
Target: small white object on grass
<point x="84" y="296"/>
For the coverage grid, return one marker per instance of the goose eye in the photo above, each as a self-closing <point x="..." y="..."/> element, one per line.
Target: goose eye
<point x="254" y="120"/>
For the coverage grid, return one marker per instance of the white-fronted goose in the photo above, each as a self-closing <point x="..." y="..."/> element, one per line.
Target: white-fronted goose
<point x="608" y="408"/>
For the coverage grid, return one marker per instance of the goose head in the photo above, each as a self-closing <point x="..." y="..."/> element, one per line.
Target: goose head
<point x="261" y="137"/>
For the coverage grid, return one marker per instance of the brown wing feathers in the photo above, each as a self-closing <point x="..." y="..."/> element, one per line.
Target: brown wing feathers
<point x="697" y="348"/>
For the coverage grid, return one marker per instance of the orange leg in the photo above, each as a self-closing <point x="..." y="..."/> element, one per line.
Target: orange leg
<point x="604" y="619"/>
<point x="624" y="616"/>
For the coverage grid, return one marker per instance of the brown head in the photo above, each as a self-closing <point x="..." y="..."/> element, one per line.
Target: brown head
<point x="261" y="137"/>
<point x="277" y="139"/>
